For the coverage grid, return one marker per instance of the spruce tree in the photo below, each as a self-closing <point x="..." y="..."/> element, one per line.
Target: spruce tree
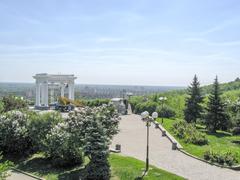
<point x="193" y="103"/>
<point x="96" y="148"/>
<point x="216" y="118"/>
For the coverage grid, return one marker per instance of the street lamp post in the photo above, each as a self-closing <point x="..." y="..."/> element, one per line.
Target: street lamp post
<point x="162" y="99"/>
<point x="148" y="119"/>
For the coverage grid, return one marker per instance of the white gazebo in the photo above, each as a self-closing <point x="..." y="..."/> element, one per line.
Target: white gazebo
<point x="52" y="82"/>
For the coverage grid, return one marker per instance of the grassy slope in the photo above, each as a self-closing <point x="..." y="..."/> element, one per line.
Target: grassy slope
<point x="221" y="141"/>
<point x="123" y="168"/>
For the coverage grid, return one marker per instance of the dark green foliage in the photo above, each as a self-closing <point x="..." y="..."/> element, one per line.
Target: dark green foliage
<point x="41" y="124"/>
<point x="189" y="133"/>
<point x="227" y="158"/>
<point x="14" y="136"/>
<point x="146" y="106"/>
<point x="96" y="102"/>
<point x="134" y="101"/>
<point x="236" y="119"/>
<point x="96" y="148"/>
<point x="216" y="117"/>
<point x="166" y="112"/>
<point x="155" y="98"/>
<point x="193" y="102"/>
<point x="13" y="103"/>
<point x="236" y="131"/>
<point x="4" y="167"/>
<point x="1" y="107"/>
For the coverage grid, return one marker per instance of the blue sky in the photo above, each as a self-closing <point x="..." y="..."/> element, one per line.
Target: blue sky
<point x="145" y="42"/>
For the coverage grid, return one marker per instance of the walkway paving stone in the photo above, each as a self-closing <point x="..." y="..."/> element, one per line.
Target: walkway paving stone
<point x="14" y="175"/>
<point x="132" y="138"/>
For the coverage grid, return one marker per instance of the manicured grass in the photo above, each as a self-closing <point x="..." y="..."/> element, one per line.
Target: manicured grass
<point x="127" y="168"/>
<point x="219" y="141"/>
<point x="122" y="168"/>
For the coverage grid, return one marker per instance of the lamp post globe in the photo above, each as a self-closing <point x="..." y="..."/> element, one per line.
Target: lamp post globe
<point x="144" y="115"/>
<point x="154" y="115"/>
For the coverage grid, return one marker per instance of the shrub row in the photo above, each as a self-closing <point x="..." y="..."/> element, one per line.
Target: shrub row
<point x="61" y="140"/>
<point x="189" y="133"/>
<point x="227" y="158"/>
<point x="165" y="111"/>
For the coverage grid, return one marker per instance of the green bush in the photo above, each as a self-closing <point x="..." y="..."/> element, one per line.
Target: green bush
<point x="146" y="106"/>
<point x="1" y="106"/>
<point x="14" y="135"/>
<point x="65" y="141"/>
<point x="166" y="112"/>
<point x="96" y="102"/>
<point x="227" y="158"/>
<point x="4" y="167"/>
<point x="40" y="125"/>
<point x="236" y="131"/>
<point x="61" y="148"/>
<point x="189" y="133"/>
<point x="13" y="103"/>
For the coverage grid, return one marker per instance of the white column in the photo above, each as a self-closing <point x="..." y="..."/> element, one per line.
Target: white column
<point x="52" y="95"/>
<point x="73" y="96"/>
<point x="62" y="90"/>
<point x="69" y="91"/>
<point x="37" y="101"/>
<point x="42" y="94"/>
<point x="45" y="94"/>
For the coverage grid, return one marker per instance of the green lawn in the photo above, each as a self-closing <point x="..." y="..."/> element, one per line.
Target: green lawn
<point x="220" y="141"/>
<point x="127" y="168"/>
<point x="123" y="168"/>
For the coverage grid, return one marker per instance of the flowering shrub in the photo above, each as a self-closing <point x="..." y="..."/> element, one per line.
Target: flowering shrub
<point x="106" y="115"/>
<point x="65" y="141"/>
<point x="13" y="103"/>
<point x="40" y="124"/>
<point x="14" y="137"/>
<point x="61" y="148"/>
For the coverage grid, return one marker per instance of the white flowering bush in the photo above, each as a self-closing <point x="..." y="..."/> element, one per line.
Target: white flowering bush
<point x="14" y="136"/>
<point x="61" y="146"/>
<point x="100" y="126"/>
<point x="40" y="125"/>
<point x="106" y="115"/>
<point x="65" y="141"/>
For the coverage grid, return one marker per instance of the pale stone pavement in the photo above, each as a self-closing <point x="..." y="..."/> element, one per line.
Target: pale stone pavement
<point x="14" y="175"/>
<point x="132" y="137"/>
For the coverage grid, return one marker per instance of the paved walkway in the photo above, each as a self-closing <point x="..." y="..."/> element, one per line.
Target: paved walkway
<point x="14" y="175"/>
<point x="132" y="138"/>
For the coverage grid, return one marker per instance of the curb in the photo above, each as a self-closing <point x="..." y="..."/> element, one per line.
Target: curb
<point x="27" y="174"/>
<point x="168" y="135"/>
<point x="180" y="148"/>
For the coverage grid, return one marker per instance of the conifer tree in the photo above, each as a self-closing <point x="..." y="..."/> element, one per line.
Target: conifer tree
<point x="216" y="118"/>
<point x="96" y="148"/>
<point x="193" y="103"/>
